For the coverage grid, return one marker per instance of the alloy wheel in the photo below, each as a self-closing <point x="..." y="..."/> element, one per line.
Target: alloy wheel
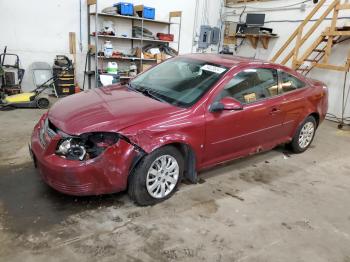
<point x="162" y="176"/>
<point x="306" y="134"/>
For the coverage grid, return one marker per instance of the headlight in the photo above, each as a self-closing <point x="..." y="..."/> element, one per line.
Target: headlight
<point x="85" y="146"/>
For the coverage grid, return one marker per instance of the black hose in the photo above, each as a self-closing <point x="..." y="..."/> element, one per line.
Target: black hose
<point x="86" y="61"/>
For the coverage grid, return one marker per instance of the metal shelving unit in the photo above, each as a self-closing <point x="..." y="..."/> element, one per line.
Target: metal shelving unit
<point x="126" y="58"/>
<point x="134" y="38"/>
<point x="94" y="38"/>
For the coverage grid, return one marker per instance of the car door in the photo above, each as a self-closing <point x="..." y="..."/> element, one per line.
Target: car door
<point x="231" y="134"/>
<point x="295" y="92"/>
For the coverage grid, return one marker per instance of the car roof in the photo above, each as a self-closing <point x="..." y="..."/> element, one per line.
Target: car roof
<point x="231" y="61"/>
<point x="225" y="60"/>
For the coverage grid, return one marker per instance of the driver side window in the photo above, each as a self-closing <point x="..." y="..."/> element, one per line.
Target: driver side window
<point x="252" y="85"/>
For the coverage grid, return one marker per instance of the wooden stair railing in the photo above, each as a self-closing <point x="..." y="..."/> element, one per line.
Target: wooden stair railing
<point x="320" y="53"/>
<point x="323" y="44"/>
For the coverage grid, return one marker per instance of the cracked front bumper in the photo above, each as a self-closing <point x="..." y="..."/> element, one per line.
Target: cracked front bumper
<point x="107" y="173"/>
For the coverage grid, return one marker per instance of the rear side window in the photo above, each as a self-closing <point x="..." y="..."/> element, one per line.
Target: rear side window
<point x="252" y="85"/>
<point x="290" y="83"/>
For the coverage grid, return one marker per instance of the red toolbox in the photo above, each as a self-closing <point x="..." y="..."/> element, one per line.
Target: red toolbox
<point x="165" y="37"/>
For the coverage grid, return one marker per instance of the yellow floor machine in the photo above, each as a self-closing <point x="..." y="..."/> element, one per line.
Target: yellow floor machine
<point x="33" y="99"/>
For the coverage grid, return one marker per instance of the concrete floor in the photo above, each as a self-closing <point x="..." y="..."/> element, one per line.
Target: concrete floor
<point x="273" y="206"/>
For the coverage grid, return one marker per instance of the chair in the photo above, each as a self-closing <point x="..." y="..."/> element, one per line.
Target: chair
<point x="42" y="73"/>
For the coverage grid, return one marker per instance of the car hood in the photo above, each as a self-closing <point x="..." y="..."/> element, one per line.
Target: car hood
<point x="106" y="109"/>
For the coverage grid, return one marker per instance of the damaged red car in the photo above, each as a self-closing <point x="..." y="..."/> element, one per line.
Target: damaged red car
<point x="184" y="115"/>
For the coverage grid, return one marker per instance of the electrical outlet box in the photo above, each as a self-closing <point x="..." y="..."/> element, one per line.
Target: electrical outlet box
<point x="215" y="35"/>
<point x="204" y="36"/>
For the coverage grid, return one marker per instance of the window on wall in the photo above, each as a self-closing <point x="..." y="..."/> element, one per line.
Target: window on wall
<point x="290" y="83"/>
<point x="252" y="85"/>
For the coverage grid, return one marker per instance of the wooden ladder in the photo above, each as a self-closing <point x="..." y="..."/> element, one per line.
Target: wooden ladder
<point x="318" y="53"/>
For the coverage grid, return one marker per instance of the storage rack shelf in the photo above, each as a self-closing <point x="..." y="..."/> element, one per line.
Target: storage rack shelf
<point x="94" y="39"/>
<point x="121" y="77"/>
<point x="126" y="58"/>
<point x="134" y="38"/>
<point x="133" y="18"/>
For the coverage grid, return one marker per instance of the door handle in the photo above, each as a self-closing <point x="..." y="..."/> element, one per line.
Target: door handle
<point x="275" y="110"/>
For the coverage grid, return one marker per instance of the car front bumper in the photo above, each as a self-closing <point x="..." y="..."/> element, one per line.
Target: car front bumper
<point x="107" y="173"/>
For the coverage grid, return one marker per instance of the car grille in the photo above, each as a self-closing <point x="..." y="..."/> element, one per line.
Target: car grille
<point x="70" y="189"/>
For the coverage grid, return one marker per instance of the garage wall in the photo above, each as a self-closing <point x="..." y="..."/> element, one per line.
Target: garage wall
<point x="289" y="19"/>
<point x="37" y="30"/>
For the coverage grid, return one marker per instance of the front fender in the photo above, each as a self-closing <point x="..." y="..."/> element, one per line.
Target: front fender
<point x="150" y="142"/>
<point x="188" y="129"/>
<point x="190" y="149"/>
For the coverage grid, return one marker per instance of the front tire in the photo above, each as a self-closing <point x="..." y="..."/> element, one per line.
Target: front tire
<point x="304" y="135"/>
<point x="156" y="177"/>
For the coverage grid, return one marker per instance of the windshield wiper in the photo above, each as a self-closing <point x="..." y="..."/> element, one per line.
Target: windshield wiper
<point x="150" y="93"/>
<point x="131" y="87"/>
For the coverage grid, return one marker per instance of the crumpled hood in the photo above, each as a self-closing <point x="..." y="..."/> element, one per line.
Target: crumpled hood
<point x="106" y="109"/>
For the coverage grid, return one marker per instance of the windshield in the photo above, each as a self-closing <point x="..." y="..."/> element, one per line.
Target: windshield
<point x="179" y="81"/>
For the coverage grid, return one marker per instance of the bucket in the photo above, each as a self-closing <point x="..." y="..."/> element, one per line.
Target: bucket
<point x="112" y="68"/>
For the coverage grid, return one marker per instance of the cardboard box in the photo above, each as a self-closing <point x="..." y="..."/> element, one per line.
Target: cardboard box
<point x="160" y="57"/>
<point x="148" y="55"/>
<point x="145" y="67"/>
<point x="138" y="52"/>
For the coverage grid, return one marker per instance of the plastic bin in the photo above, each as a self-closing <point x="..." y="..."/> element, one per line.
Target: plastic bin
<point x="124" y="8"/>
<point x="145" y="11"/>
<point x="165" y="37"/>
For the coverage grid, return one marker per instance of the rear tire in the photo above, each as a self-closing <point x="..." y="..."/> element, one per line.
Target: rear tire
<point x="304" y="135"/>
<point x="156" y="177"/>
<point x="43" y="103"/>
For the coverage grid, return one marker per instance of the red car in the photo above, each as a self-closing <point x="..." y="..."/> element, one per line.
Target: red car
<point x="181" y="116"/>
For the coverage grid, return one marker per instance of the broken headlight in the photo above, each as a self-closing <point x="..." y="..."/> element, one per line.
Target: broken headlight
<point x="86" y="146"/>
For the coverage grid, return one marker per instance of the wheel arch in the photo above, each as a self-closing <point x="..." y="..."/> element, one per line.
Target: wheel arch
<point x="190" y="159"/>
<point x="185" y="150"/>
<point x="315" y="115"/>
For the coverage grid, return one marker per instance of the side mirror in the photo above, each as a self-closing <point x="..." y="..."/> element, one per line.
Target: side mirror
<point x="226" y="103"/>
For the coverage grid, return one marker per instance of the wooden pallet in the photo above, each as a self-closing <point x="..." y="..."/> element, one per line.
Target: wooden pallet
<point x="318" y="53"/>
